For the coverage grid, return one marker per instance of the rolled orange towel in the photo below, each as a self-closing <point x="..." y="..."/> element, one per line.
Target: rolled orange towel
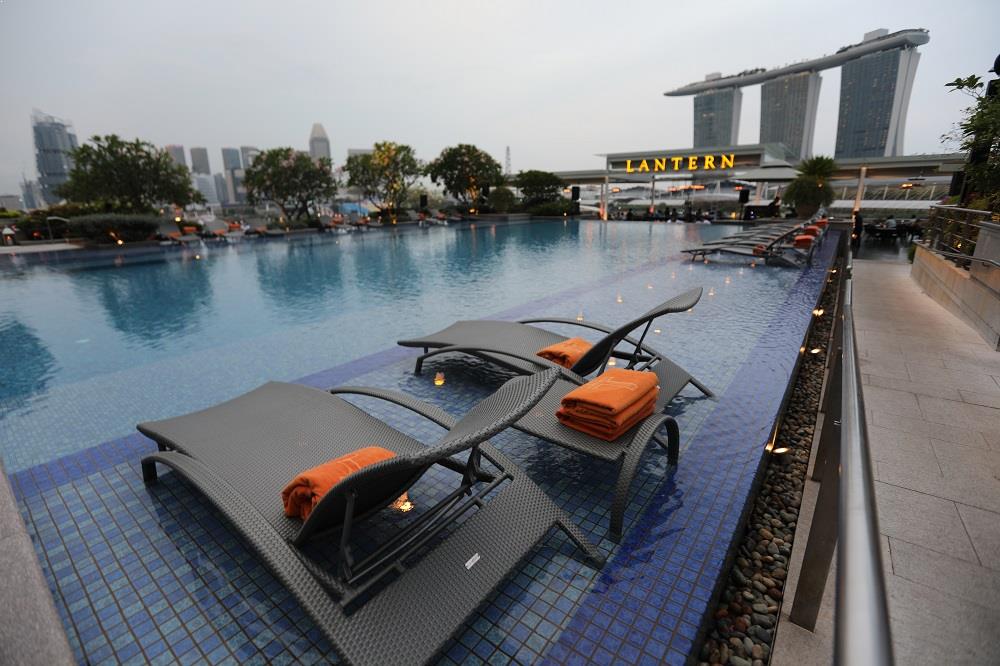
<point x="613" y="392"/>
<point x="305" y="491"/>
<point x="565" y="353"/>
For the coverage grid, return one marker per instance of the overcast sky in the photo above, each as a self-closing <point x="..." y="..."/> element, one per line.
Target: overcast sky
<point x="558" y="82"/>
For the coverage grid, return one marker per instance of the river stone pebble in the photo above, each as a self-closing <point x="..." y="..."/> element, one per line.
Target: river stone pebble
<point x="751" y="598"/>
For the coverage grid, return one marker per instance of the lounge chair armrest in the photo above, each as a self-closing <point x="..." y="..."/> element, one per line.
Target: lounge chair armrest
<point x="652" y="353"/>
<point x="428" y="411"/>
<point x="476" y="349"/>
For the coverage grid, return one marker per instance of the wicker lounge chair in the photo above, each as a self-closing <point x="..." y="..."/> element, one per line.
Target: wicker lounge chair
<point x="241" y="453"/>
<point x="512" y="345"/>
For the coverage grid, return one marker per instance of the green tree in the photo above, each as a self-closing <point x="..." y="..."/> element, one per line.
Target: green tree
<point x="385" y="175"/>
<point x="463" y="171"/>
<point x="538" y="187"/>
<point x="127" y="176"/>
<point x="291" y="180"/>
<point x="979" y="133"/>
<point x="811" y="189"/>
<point x="501" y="199"/>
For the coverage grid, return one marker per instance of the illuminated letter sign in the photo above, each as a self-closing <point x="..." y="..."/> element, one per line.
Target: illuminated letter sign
<point x="686" y="163"/>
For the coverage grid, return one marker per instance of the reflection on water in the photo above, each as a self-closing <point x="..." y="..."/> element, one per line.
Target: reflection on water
<point x="302" y="279"/>
<point x="154" y="302"/>
<point x="27" y="366"/>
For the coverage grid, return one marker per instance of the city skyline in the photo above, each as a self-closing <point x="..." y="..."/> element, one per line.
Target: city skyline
<point x="537" y="94"/>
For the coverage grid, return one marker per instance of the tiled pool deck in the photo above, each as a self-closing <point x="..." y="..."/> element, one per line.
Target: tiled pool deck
<point x="155" y="575"/>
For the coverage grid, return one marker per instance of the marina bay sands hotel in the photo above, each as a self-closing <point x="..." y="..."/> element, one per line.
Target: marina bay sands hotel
<point x="875" y="83"/>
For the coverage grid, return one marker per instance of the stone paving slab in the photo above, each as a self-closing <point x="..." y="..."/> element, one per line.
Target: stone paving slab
<point x="932" y="397"/>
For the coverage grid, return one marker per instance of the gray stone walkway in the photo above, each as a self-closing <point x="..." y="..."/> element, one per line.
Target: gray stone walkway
<point x="932" y="399"/>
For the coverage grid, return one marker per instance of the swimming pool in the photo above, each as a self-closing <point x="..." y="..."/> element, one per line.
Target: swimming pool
<point x="101" y="342"/>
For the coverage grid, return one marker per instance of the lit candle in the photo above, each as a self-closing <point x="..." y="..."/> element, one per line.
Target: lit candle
<point x="439" y="379"/>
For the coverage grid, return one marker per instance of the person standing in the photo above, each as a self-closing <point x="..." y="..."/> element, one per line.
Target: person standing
<point x="859" y="228"/>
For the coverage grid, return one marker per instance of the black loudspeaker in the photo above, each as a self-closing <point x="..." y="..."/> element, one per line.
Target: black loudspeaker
<point x="423" y="201"/>
<point x="957" y="179"/>
<point x="575" y="193"/>
<point x="744" y="196"/>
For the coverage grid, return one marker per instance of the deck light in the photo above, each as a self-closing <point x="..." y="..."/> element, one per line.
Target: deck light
<point x="728" y="280"/>
<point x="579" y="316"/>
<point x="832" y="271"/>
<point x="619" y="299"/>
<point x="690" y="267"/>
<point x="197" y="256"/>
<point x="818" y="312"/>
<point x="753" y="264"/>
<point x="439" y="379"/>
<point x="656" y="330"/>
<point x="802" y="350"/>
<point x="673" y="275"/>
<point x="740" y="271"/>
<point x="706" y="260"/>
<point x="612" y="362"/>
<point x="402" y="503"/>
<point x="177" y="219"/>
<point x="711" y="291"/>
<point x="779" y="451"/>
<point x="649" y="285"/>
<point x="815" y="350"/>
<point x="120" y="242"/>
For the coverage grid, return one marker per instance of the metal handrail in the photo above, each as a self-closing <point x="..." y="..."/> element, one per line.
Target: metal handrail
<point x="963" y="257"/>
<point x="845" y="517"/>
<point x="861" y="622"/>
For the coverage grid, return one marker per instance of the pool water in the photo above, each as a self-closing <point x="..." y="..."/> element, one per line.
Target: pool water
<point x="95" y="343"/>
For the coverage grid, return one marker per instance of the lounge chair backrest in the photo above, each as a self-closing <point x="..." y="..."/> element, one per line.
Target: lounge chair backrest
<point x="377" y="485"/>
<point x="596" y="357"/>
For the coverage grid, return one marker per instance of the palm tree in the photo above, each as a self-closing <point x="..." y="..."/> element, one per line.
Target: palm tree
<point x="811" y="189"/>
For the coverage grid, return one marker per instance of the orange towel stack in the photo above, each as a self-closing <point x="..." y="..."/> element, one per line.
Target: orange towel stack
<point x="565" y="353"/>
<point x="611" y="405"/>
<point x="305" y="491"/>
<point x="804" y="242"/>
<point x="822" y="222"/>
<point x="813" y="230"/>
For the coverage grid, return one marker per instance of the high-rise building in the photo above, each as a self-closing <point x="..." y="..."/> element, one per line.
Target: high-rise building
<point x="231" y="159"/>
<point x="206" y="185"/>
<point x="236" y="191"/>
<point x="31" y="193"/>
<point x="10" y="202"/>
<point x="788" y="108"/>
<point x="54" y="139"/>
<point x="249" y="154"/>
<point x="220" y="188"/>
<point x="874" y="96"/>
<point x="177" y="153"/>
<point x="199" y="161"/>
<point x="875" y="84"/>
<point x="319" y="144"/>
<point x="717" y="116"/>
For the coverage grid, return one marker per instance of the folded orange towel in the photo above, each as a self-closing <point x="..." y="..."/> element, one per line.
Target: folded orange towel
<point x="565" y="353"/>
<point x="803" y="241"/>
<point x="584" y="413"/>
<point x="613" y="392"/>
<point x="609" y="431"/>
<point x="305" y="491"/>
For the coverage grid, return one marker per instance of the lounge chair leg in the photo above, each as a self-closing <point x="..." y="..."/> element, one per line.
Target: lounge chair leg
<point x="701" y="387"/>
<point x="148" y="471"/>
<point x="673" y="441"/>
<point x="419" y="365"/>
<point x="626" y="472"/>
<point x="577" y="536"/>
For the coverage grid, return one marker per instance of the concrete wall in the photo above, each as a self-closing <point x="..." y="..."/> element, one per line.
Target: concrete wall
<point x="973" y="295"/>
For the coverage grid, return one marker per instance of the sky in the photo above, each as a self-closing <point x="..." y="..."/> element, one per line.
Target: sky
<point x="558" y="82"/>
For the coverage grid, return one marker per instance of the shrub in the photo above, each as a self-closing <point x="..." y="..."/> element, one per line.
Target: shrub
<point x="501" y="199"/>
<point x="108" y="228"/>
<point x="560" y="207"/>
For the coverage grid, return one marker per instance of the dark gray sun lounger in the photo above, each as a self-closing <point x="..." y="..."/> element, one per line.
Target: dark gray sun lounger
<point x="513" y="345"/>
<point x="402" y="602"/>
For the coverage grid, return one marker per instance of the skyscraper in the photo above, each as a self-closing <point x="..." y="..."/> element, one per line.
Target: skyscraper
<point x="788" y="111"/>
<point x="206" y="185"/>
<point x="177" y="153"/>
<point x="717" y="116"/>
<point x="231" y="159"/>
<point x="54" y="139"/>
<point x="221" y="190"/>
<point x="31" y="193"/>
<point x="319" y="144"/>
<point x="249" y="154"/>
<point x="874" y="96"/>
<point x="199" y="161"/>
